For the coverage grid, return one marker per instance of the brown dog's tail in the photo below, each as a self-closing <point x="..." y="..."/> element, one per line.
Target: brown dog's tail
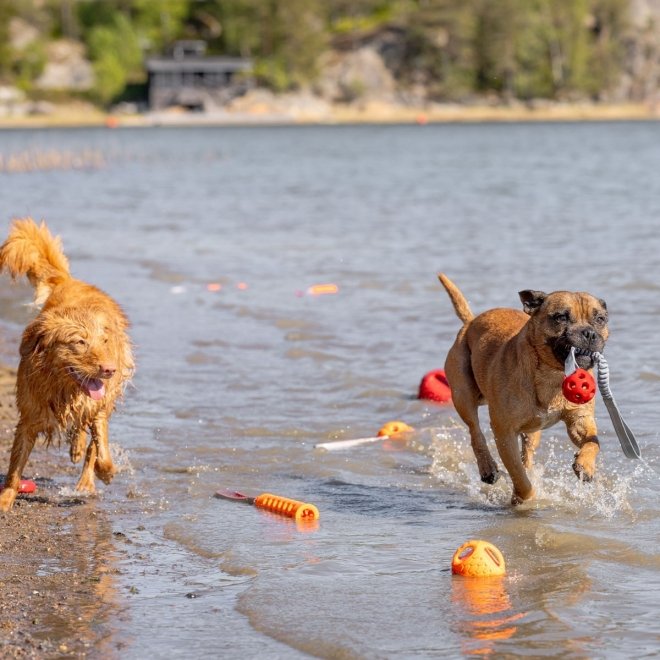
<point x="461" y="306"/>
<point x="30" y="249"/>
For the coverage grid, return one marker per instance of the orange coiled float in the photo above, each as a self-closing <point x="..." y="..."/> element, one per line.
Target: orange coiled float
<point x="287" y="507"/>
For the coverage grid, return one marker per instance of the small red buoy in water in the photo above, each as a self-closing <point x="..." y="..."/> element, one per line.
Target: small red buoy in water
<point x="579" y="387"/>
<point x="25" y="486"/>
<point x="435" y="386"/>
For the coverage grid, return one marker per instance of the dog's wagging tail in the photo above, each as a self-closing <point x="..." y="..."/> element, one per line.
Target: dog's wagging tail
<point x="75" y="359"/>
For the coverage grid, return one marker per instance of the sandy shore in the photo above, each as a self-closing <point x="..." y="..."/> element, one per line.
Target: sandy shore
<point x="56" y="576"/>
<point x="294" y="112"/>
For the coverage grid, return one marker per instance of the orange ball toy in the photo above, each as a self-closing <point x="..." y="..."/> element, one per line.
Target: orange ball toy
<point x="478" y="559"/>
<point x="394" y="428"/>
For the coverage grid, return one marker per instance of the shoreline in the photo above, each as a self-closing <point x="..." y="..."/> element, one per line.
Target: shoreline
<point x="368" y="113"/>
<point x="57" y="585"/>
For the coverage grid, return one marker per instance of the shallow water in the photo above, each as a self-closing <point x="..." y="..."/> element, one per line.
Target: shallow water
<point x="237" y="381"/>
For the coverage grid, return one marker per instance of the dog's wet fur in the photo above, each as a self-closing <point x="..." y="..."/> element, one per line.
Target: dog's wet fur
<point x="513" y="361"/>
<point x="75" y="360"/>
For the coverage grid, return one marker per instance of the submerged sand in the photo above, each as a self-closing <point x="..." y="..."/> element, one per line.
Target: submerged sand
<point x="56" y="576"/>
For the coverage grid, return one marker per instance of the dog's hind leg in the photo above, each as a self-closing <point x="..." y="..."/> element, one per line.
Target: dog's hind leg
<point x="466" y="398"/>
<point x="488" y="470"/>
<point x="509" y="450"/>
<point x="103" y="467"/>
<point x="77" y="439"/>
<point x="530" y="441"/>
<point x="24" y="440"/>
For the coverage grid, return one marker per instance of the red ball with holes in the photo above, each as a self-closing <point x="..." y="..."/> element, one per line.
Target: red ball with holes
<point x="435" y="386"/>
<point x="579" y="387"/>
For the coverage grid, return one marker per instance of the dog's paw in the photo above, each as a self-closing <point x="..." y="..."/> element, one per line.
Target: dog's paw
<point x="86" y="484"/>
<point x="76" y="452"/>
<point x="491" y="477"/>
<point x="518" y="498"/>
<point x="581" y="472"/>
<point x="105" y="471"/>
<point x="7" y="499"/>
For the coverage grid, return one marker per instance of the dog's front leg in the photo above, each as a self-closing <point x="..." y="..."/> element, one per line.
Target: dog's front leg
<point x="24" y="440"/>
<point x="506" y="440"/>
<point x="86" y="482"/>
<point x="103" y="467"/>
<point x="77" y="439"/>
<point x="583" y="433"/>
<point x="530" y="441"/>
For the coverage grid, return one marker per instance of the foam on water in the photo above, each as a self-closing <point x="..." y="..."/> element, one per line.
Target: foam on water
<point x="453" y="464"/>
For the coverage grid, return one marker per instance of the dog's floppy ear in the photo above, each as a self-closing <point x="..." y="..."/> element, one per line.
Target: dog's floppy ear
<point x="33" y="339"/>
<point x="532" y="300"/>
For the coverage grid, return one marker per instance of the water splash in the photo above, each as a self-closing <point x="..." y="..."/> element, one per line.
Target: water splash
<point x="453" y="465"/>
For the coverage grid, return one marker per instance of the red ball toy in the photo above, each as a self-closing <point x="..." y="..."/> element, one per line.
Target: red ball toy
<point x="579" y="387"/>
<point x="435" y="386"/>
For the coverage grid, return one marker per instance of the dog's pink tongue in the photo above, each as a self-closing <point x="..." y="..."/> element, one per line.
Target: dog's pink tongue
<point x="95" y="389"/>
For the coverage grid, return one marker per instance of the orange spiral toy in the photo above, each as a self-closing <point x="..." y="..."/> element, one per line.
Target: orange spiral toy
<point x="283" y="506"/>
<point x="287" y="507"/>
<point x="478" y="559"/>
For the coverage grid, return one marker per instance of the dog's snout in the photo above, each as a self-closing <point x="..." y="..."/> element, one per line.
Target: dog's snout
<point x="589" y="334"/>
<point x="107" y="370"/>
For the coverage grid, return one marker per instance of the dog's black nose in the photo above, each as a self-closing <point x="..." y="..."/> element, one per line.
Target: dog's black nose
<point x="589" y="334"/>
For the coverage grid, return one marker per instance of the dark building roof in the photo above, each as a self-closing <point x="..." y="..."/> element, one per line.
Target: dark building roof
<point x="198" y="64"/>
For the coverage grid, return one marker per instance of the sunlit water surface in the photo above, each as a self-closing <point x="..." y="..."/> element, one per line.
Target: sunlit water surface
<point x="210" y="239"/>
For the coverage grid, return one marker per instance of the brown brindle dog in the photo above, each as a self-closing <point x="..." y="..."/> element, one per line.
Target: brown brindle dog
<point x="75" y="360"/>
<point x="513" y="361"/>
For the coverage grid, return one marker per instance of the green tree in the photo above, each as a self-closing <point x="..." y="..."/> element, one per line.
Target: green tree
<point x="284" y="39"/>
<point x="115" y="53"/>
<point x="158" y="24"/>
<point x="7" y="12"/>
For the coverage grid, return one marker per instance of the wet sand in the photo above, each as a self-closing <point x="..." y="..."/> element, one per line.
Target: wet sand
<point x="56" y="577"/>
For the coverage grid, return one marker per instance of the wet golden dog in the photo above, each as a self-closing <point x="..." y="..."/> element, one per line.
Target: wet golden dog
<point x="514" y="361"/>
<point x="75" y="360"/>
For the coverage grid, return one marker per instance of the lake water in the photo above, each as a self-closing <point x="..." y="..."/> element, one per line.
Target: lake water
<point x="210" y="239"/>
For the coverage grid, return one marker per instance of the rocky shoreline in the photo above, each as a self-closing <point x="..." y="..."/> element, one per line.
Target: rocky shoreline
<point x="56" y="580"/>
<point x="260" y="107"/>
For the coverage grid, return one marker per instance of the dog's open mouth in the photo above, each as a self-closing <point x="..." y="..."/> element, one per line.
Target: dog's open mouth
<point x="92" y="387"/>
<point x="583" y="357"/>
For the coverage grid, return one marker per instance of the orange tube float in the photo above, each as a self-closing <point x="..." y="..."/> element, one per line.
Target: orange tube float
<point x="283" y="506"/>
<point x="301" y="511"/>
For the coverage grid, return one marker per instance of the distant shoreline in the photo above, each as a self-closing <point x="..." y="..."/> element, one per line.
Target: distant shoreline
<point x="373" y="113"/>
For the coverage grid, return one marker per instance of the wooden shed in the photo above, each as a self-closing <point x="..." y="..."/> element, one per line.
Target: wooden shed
<point x="187" y="78"/>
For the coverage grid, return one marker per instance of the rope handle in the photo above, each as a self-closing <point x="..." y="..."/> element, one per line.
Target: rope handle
<point x="626" y="437"/>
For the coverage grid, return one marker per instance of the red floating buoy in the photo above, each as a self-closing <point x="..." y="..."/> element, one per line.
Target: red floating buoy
<point x="435" y="386"/>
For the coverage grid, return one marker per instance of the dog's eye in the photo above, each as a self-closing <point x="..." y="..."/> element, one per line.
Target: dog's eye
<point x="601" y="319"/>
<point x="561" y="317"/>
<point x="81" y="342"/>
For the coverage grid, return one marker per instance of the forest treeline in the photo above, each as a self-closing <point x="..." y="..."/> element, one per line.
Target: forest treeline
<point x="455" y="49"/>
